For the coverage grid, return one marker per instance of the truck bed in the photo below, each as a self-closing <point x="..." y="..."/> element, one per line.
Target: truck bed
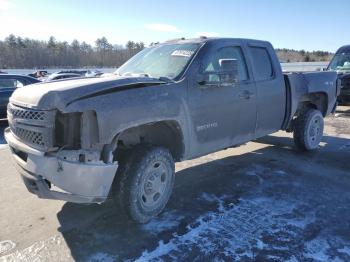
<point x="301" y="85"/>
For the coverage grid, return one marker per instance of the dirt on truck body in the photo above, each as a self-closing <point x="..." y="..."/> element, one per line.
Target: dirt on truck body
<point x="86" y="140"/>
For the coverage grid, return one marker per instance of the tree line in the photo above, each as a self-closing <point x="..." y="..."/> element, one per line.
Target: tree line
<point x="291" y="55"/>
<point x="18" y="52"/>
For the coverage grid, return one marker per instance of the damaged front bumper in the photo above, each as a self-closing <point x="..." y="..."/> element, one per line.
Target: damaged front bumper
<point x="78" y="182"/>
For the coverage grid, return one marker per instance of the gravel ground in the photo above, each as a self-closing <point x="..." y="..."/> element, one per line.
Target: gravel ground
<point x="263" y="201"/>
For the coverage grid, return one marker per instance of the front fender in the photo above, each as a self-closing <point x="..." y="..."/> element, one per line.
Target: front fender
<point x="119" y="111"/>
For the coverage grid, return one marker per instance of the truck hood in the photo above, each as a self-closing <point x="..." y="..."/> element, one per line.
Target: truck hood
<point x="58" y="94"/>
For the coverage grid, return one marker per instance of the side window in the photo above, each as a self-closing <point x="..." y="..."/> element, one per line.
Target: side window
<point x="262" y="63"/>
<point x="19" y="83"/>
<point x="7" y="83"/>
<point x="210" y="63"/>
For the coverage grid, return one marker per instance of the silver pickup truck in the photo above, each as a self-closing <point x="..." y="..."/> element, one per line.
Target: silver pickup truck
<point x="89" y="139"/>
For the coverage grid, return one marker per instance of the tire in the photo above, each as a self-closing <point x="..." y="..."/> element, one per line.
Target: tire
<point x="145" y="182"/>
<point x="308" y="130"/>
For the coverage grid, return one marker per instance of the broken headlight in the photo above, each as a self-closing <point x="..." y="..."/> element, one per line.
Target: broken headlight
<point x="67" y="130"/>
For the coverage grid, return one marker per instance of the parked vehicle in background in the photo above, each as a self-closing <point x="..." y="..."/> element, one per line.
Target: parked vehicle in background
<point x="119" y="136"/>
<point x="8" y="84"/>
<point x="341" y="64"/>
<point x="87" y="73"/>
<point x="73" y="71"/>
<point x="61" y="76"/>
<point x="93" y="73"/>
<point x="39" y="74"/>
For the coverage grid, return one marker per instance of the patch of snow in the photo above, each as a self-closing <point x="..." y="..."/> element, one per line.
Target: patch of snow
<point x="161" y="250"/>
<point x="6" y="246"/>
<point x="292" y="259"/>
<point x="102" y="257"/>
<point x="166" y="221"/>
<point x="52" y="249"/>
<point x="236" y="230"/>
<point x="214" y="198"/>
<point x="253" y="173"/>
<point x="280" y="173"/>
<point x="345" y="250"/>
<point x="316" y="249"/>
<point x="260" y="244"/>
<point x="209" y="197"/>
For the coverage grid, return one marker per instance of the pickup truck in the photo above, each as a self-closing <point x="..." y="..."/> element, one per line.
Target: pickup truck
<point x="86" y="140"/>
<point x="340" y="63"/>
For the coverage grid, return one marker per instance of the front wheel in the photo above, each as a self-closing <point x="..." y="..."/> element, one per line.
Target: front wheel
<point x="308" y="130"/>
<point x="146" y="182"/>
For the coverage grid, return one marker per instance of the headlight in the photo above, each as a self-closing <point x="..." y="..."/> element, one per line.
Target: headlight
<point x="76" y="130"/>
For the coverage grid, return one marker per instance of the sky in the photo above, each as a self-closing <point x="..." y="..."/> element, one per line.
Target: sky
<point x="297" y="24"/>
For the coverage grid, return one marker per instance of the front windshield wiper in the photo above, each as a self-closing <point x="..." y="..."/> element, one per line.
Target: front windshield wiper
<point x="135" y="74"/>
<point x="166" y="79"/>
<point x="162" y="78"/>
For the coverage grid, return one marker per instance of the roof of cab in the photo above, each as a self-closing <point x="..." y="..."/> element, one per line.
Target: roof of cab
<point x="344" y="49"/>
<point x="204" y="39"/>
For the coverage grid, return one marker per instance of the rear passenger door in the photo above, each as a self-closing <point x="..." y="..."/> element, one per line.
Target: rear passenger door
<point x="271" y="93"/>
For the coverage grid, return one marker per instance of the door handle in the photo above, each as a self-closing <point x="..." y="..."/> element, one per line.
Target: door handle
<point x="246" y="94"/>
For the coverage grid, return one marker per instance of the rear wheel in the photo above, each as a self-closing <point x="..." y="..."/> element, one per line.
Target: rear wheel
<point x="146" y="180"/>
<point x="308" y="130"/>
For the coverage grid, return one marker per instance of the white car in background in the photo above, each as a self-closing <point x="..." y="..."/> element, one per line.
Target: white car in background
<point x="60" y="76"/>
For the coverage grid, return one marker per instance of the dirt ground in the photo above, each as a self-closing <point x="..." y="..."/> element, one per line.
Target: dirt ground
<point x="263" y="201"/>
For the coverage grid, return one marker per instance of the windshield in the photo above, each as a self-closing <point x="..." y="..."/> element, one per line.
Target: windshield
<point x="340" y="62"/>
<point x="167" y="60"/>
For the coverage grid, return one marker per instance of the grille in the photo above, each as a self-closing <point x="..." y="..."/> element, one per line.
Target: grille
<point x="36" y="115"/>
<point x="30" y="136"/>
<point x="30" y="114"/>
<point x="34" y="127"/>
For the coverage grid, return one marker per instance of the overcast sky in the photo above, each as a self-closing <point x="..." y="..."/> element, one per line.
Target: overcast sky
<point x="297" y="24"/>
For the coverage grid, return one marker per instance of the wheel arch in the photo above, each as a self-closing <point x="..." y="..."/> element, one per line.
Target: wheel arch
<point x="165" y="133"/>
<point x="317" y="100"/>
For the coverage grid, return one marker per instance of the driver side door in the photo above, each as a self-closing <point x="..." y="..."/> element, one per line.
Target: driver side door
<point x="222" y="115"/>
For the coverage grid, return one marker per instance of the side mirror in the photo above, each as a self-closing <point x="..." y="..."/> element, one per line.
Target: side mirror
<point x="321" y="69"/>
<point x="228" y="71"/>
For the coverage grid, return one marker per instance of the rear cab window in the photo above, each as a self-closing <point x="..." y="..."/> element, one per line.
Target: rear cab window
<point x="262" y="63"/>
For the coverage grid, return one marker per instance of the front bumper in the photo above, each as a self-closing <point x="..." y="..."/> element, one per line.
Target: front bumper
<point x="77" y="182"/>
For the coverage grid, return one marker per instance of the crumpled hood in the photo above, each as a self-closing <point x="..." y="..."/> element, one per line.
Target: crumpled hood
<point x="59" y="94"/>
